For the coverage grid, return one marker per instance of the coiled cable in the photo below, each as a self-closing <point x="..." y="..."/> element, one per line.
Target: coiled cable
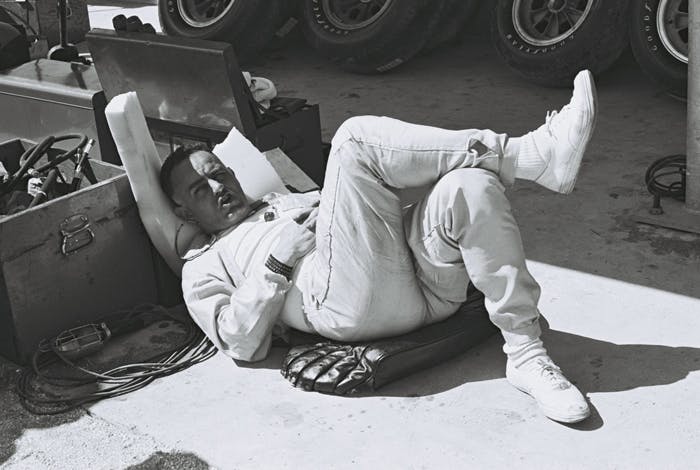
<point x="44" y="394"/>
<point x="659" y="179"/>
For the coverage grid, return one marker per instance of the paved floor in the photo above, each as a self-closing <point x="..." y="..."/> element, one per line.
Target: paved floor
<point x="622" y="301"/>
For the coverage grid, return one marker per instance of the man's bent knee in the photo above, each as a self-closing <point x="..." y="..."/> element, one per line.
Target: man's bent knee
<point x="348" y="146"/>
<point x="474" y="185"/>
<point x="354" y="128"/>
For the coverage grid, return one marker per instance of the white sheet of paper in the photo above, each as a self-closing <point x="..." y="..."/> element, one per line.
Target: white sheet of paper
<point x="253" y="171"/>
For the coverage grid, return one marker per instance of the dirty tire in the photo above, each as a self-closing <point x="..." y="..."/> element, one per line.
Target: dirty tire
<point x="248" y="25"/>
<point x="595" y="44"/>
<point x="655" y="58"/>
<point x="455" y="16"/>
<point x="385" y="41"/>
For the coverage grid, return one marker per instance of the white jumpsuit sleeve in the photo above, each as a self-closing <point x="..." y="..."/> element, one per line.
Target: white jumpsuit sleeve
<point x="237" y="319"/>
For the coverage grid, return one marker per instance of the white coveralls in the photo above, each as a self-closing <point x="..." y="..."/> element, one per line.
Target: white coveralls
<point x="378" y="269"/>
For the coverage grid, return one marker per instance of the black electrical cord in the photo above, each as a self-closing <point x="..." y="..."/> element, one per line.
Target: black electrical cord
<point x="67" y="155"/>
<point x="44" y="394"/>
<point x="33" y="154"/>
<point x="658" y="177"/>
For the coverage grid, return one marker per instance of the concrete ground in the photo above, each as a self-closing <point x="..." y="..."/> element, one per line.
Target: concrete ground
<point x="622" y="301"/>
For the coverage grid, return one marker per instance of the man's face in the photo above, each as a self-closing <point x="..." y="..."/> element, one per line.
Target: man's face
<point x="207" y="191"/>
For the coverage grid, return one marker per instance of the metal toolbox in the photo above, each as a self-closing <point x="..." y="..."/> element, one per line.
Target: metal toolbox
<point x="193" y="90"/>
<point x="71" y="260"/>
<point x="45" y="97"/>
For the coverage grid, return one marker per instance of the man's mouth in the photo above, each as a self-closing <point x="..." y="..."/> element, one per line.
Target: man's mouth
<point x="226" y="200"/>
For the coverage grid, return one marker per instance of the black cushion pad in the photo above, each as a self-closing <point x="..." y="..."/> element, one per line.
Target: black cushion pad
<point x="317" y="364"/>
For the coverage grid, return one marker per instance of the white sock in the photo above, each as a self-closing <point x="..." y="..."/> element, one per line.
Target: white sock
<point x="529" y="165"/>
<point x="522" y="353"/>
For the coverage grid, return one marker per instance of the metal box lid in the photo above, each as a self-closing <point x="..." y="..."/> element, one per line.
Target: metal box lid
<point x="54" y="81"/>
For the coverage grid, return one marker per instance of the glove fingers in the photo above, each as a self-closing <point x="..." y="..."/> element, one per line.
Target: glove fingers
<point x="295" y="353"/>
<point x="307" y="359"/>
<point x="329" y="368"/>
<point x="303" y="356"/>
<point x="328" y="381"/>
<point x="306" y="379"/>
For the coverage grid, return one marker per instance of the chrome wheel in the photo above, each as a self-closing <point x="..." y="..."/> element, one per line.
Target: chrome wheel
<point x="354" y="14"/>
<point x="546" y="22"/>
<point x="203" y="13"/>
<point x="672" y="24"/>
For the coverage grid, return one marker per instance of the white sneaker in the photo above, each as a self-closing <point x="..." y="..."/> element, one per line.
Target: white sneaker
<point x="561" y="141"/>
<point x="558" y="398"/>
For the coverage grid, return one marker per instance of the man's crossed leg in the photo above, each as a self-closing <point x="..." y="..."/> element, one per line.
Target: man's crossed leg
<point x="379" y="270"/>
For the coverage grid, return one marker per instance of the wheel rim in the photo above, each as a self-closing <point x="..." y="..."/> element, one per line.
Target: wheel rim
<point x="203" y="13"/>
<point x="354" y="14"/>
<point x="672" y="24"/>
<point x="547" y="22"/>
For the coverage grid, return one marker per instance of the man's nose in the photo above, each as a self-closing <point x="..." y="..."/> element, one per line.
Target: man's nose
<point x="215" y="186"/>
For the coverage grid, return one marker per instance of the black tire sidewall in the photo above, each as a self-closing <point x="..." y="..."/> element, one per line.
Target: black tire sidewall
<point x="650" y="53"/>
<point x="396" y="36"/>
<point x="595" y="45"/>
<point x="172" y="22"/>
<point x="249" y="25"/>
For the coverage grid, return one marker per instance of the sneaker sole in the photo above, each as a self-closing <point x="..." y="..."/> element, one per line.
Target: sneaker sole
<point x="551" y="414"/>
<point x="575" y="162"/>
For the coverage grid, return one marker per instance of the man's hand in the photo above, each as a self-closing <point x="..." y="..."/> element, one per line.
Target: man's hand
<point x="298" y="240"/>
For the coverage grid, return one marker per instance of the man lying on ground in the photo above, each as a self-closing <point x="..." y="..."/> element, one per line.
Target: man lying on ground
<point x="358" y="266"/>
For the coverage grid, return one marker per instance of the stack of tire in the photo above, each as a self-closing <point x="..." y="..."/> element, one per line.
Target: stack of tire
<point x="548" y="41"/>
<point x="365" y="36"/>
<point x="659" y="38"/>
<point x="545" y="41"/>
<point x="372" y="36"/>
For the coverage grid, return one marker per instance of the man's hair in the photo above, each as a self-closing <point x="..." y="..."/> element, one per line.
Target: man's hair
<point x="176" y="157"/>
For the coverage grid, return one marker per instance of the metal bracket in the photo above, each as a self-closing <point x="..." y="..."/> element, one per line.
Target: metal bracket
<point x="674" y="216"/>
<point x="75" y="233"/>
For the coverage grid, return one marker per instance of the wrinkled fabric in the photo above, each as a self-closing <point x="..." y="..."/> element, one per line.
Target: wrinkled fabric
<point x="230" y="293"/>
<point x="380" y="270"/>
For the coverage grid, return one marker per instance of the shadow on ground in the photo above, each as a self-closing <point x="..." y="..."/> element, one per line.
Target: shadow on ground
<point x="132" y="348"/>
<point x="171" y="461"/>
<point x="16" y="420"/>
<point x="593" y="365"/>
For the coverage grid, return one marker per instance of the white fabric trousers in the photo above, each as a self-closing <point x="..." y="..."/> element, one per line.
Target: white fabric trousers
<point x="380" y="270"/>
